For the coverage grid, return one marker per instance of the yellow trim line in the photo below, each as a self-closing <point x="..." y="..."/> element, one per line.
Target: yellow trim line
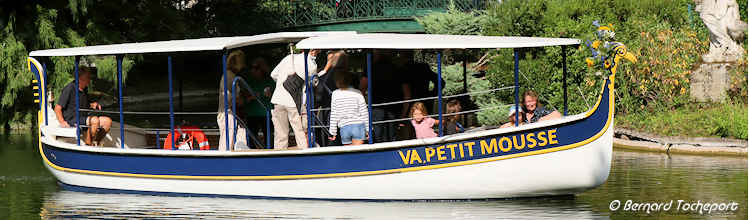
<point x="360" y="173"/>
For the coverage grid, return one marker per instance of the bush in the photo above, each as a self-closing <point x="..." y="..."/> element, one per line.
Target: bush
<point x="494" y="113"/>
<point x="657" y="32"/>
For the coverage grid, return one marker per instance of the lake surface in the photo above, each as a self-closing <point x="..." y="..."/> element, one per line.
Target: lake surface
<point x="29" y="191"/>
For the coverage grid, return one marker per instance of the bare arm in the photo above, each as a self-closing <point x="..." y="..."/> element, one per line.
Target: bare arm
<point x="552" y="115"/>
<point x="60" y="119"/>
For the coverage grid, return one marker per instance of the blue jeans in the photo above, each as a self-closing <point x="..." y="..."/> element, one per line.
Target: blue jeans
<point x="383" y="132"/>
<point x="352" y="132"/>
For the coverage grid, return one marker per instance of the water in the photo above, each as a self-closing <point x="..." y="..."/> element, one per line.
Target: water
<point x="28" y="191"/>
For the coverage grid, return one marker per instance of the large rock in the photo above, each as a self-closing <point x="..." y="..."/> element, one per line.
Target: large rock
<point x="710" y="82"/>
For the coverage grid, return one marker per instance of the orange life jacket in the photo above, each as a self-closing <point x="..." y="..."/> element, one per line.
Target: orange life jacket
<point x="185" y="135"/>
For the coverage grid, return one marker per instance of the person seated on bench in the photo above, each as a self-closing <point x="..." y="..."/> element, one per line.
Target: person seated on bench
<point x="97" y="126"/>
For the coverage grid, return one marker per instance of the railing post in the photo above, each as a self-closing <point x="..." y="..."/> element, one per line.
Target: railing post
<point x="369" y="95"/>
<point x="439" y="90"/>
<point x="564" y="76"/>
<point x="77" y="105"/>
<point x="43" y="87"/>
<point x="119" y="98"/>
<point x="517" y="88"/>
<point x="307" y="88"/>
<point x="465" y="80"/>
<point x="268" y="143"/>
<point x="171" y="105"/>
<point x="234" y="109"/>
<point x="226" y="99"/>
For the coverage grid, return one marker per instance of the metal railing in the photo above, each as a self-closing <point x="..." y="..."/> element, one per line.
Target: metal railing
<point x="244" y="84"/>
<point x="298" y="13"/>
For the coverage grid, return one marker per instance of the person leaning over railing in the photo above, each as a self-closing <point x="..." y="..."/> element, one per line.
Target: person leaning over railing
<point x="97" y="126"/>
<point x="534" y="111"/>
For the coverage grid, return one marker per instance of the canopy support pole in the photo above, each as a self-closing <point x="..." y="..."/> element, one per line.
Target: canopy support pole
<point x="439" y="90"/>
<point x="171" y="104"/>
<point x="226" y="99"/>
<point x="77" y="104"/>
<point x="564" y="76"/>
<point x="517" y="88"/>
<point x="308" y="97"/>
<point x="44" y="88"/>
<point x="180" y="68"/>
<point x="119" y="98"/>
<point x="465" y="81"/>
<point x="369" y="95"/>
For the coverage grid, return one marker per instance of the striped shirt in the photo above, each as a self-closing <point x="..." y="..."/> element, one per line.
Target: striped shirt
<point x="347" y="107"/>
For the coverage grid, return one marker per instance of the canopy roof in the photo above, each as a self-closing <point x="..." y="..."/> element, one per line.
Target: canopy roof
<point x="427" y="41"/>
<point x="202" y="44"/>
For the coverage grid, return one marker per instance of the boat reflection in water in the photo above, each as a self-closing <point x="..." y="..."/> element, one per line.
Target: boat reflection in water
<point x="71" y="204"/>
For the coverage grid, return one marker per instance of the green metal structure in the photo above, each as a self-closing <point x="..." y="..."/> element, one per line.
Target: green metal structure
<point x="365" y="15"/>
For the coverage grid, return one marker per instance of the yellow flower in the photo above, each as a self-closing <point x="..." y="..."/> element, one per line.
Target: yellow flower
<point x="596" y="44"/>
<point x="676" y="82"/>
<point x="589" y="61"/>
<point x="683" y="90"/>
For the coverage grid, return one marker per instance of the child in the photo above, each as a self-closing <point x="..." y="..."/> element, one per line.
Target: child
<point x="348" y="111"/>
<point x="422" y="124"/>
<point x="511" y="117"/>
<point x="451" y="121"/>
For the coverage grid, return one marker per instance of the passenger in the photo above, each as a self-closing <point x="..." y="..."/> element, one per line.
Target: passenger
<point x="534" y="111"/>
<point x="235" y="63"/>
<point x="423" y="125"/>
<point x="452" y="126"/>
<point x="286" y="109"/>
<point x="96" y="127"/>
<point x="419" y="75"/>
<point x="387" y="87"/>
<point x="337" y="63"/>
<point x="348" y="111"/>
<point x="511" y="117"/>
<point x="262" y="85"/>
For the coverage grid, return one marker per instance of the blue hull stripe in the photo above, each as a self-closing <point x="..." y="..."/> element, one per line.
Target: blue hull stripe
<point x="382" y="161"/>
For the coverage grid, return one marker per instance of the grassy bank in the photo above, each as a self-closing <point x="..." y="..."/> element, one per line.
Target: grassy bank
<point x="699" y="120"/>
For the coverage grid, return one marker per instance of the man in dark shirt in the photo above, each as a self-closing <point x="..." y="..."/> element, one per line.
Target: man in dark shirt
<point x="65" y="110"/>
<point x="387" y="87"/>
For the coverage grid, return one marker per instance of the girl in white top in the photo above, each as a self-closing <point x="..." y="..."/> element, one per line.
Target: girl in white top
<point x="348" y="111"/>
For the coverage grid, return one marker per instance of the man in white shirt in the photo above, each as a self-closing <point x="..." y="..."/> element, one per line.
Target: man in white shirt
<point x="284" y="108"/>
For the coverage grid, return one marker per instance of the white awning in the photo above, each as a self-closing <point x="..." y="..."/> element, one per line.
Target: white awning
<point x="202" y="44"/>
<point x="427" y="41"/>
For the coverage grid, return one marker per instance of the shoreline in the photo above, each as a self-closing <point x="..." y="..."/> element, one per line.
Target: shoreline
<point x="632" y="140"/>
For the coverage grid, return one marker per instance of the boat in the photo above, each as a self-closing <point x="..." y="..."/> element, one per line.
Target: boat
<point x="555" y="157"/>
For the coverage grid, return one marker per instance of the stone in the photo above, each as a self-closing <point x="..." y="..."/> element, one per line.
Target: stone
<point x="722" y="20"/>
<point x="710" y="82"/>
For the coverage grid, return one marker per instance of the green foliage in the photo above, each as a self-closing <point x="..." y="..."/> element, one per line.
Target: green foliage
<point x="14" y="77"/>
<point x="106" y="69"/>
<point x="454" y="21"/>
<point x="657" y="32"/>
<point x="493" y="115"/>
<point x="720" y="120"/>
<point x="737" y="92"/>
